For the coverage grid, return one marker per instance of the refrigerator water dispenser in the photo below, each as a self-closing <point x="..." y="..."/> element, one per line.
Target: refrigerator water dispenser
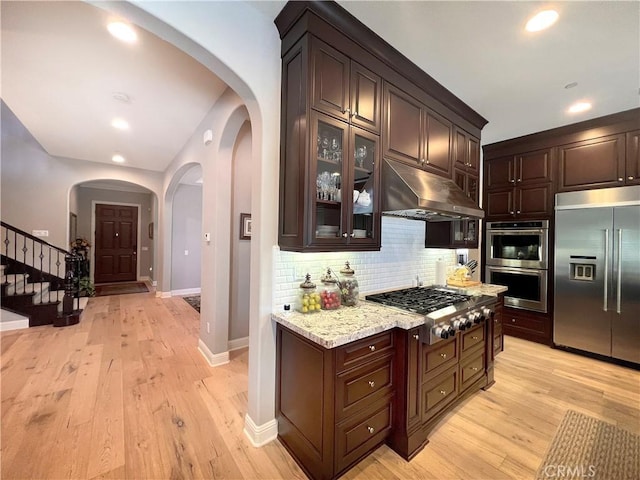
<point x="583" y="271"/>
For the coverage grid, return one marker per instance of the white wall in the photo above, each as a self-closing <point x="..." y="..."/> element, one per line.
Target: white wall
<point x="36" y="187"/>
<point x="240" y="249"/>
<point x="186" y="238"/>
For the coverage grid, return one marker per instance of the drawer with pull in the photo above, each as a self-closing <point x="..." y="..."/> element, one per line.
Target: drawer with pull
<point x="472" y="338"/>
<point x="439" y="392"/>
<point x="439" y="357"/>
<point x="365" y="350"/>
<point x="362" y="433"/>
<point x="358" y="388"/>
<point x="471" y="370"/>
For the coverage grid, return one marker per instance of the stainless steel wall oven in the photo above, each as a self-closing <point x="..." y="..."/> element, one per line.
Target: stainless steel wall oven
<point x="517" y="256"/>
<point x="518" y="244"/>
<point x="527" y="287"/>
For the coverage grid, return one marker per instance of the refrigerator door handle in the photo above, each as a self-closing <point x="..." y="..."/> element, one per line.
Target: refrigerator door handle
<point x="606" y="268"/>
<point x="619" y="279"/>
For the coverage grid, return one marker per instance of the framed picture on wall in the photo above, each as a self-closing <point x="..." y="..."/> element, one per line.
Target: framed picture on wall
<point x="245" y="226"/>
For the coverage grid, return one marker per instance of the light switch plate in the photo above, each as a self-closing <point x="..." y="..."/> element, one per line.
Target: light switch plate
<point x="40" y="233"/>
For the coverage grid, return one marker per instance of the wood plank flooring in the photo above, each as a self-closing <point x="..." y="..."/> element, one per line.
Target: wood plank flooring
<point x="126" y="394"/>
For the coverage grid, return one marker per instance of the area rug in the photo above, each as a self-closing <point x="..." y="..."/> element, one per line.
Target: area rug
<point x="194" y="301"/>
<point x="120" y="289"/>
<point x="585" y="447"/>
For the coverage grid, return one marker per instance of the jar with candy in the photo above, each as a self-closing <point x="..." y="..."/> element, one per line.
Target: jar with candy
<point x="308" y="300"/>
<point x="330" y="297"/>
<point x="349" y="286"/>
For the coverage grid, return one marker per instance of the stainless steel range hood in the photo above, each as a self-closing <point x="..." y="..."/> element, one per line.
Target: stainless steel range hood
<point x="413" y="193"/>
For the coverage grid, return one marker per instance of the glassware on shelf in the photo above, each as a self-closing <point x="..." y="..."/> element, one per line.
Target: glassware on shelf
<point x="325" y="144"/>
<point x="361" y="154"/>
<point x="335" y="148"/>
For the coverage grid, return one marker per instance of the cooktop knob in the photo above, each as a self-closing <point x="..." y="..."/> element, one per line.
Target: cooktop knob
<point x="459" y="323"/>
<point x="441" y="332"/>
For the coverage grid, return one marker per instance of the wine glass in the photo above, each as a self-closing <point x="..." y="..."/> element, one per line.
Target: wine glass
<point x="361" y="155"/>
<point x="325" y="146"/>
<point x="335" y="147"/>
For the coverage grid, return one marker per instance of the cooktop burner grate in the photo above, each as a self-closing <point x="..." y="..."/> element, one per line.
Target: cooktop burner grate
<point x="418" y="299"/>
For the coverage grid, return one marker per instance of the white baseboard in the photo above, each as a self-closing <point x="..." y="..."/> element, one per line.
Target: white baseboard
<point x="260" y="435"/>
<point x="237" y="343"/>
<point x="144" y="279"/>
<point x="185" y="291"/>
<point x="163" y="294"/>
<point x="14" y="325"/>
<point x="214" y="359"/>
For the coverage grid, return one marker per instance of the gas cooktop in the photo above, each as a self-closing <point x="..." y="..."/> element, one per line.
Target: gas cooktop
<point x="419" y="299"/>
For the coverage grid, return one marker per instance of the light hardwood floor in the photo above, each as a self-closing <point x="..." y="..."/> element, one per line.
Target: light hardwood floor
<point x="126" y="394"/>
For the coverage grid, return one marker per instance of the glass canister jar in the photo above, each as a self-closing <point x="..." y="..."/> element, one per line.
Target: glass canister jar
<point x="308" y="300"/>
<point x="349" y="286"/>
<point x="330" y="296"/>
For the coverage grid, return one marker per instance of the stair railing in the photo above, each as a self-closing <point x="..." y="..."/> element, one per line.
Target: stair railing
<point x="42" y="263"/>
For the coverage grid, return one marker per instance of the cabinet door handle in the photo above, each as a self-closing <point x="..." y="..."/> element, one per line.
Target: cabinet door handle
<point x="443" y="355"/>
<point x="519" y="179"/>
<point x="422" y="161"/>
<point x="512" y="212"/>
<point x="354" y="114"/>
<point x="475" y="369"/>
<point x="513" y="180"/>
<point x="371" y="429"/>
<point x="345" y="234"/>
<point x="372" y="384"/>
<point x="620" y="179"/>
<point x="416" y="336"/>
<point x="352" y="235"/>
<point x="372" y="348"/>
<point x="442" y="392"/>
<point x="517" y="211"/>
<point x="475" y="337"/>
<point x="347" y="110"/>
<point x="513" y="320"/>
<point x="630" y="177"/>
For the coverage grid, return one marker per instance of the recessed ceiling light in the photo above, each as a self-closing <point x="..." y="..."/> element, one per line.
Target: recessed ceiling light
<point x="122" y="31"/>
<point x="542" y="20"/>
<point x="118" y="158"/>
<point x="120" y="124"/>
<point x="579" y="107"/>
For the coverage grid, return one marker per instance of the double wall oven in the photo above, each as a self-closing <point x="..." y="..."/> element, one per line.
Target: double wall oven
<point x="517" y="256"/>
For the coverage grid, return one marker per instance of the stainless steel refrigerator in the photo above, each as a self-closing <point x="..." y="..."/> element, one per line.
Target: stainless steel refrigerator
<point x="597" y="272"/>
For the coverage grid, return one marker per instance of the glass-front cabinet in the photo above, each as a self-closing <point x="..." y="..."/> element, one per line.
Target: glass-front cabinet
<point x="344" y="174"/>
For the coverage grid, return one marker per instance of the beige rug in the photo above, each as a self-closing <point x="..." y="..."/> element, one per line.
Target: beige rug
<point x="587" y="448"/>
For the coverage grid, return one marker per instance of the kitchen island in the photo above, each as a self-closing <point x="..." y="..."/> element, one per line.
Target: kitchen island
<point x="351" y="379"/>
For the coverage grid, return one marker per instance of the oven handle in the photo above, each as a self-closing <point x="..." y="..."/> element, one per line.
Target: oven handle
<point x="517" y="231"/>
<point x="606" y="268"/>
<point x="520" y="271"/>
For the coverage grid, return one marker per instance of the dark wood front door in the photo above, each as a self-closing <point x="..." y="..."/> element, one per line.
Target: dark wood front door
<point x="116" y="243"/>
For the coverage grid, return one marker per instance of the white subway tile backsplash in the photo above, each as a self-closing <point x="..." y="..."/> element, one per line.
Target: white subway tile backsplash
<point x="401" y="258"/>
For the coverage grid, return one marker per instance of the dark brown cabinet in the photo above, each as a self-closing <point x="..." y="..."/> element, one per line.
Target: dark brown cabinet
<point x="593" y="163"/>
<point x="334" y="406"/>
<point x="535" y="201"/>
<point x="632" y="170"/>
<point x="526" y="168"/>
<point x="345" y="89"/>
<point x="414" y="134"/>
<point x="498" y="335"/>
<point x="344" y="178"/>
<point x="466" y="152"/>
<point x="533" y="326"/>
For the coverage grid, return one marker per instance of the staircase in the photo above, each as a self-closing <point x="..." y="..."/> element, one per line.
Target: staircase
<point x="38" y="280"/>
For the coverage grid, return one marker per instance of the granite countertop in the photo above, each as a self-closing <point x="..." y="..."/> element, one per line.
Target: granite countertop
<point x="333" y="328"/>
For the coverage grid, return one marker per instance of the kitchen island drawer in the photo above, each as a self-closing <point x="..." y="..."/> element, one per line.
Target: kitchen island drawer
<point x="439" y="392"/>
<point x="366" y="350"/>
<point x="473" y="337"/>
<point x="471" y="370"/>
<point x="439" y="357"/>
<point x="358" y="388"/>
<point x="362" y="433"/>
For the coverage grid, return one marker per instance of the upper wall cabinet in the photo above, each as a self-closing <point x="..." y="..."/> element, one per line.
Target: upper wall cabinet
<point x="525" y="168"/>
<point x="416" y="135"/>
<point x="340" y="84"/>
<point x="466" y="152"/>
<point x="632" y="171"/>
<point x="594" y="163"/>
<point x="345" y="89"/>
